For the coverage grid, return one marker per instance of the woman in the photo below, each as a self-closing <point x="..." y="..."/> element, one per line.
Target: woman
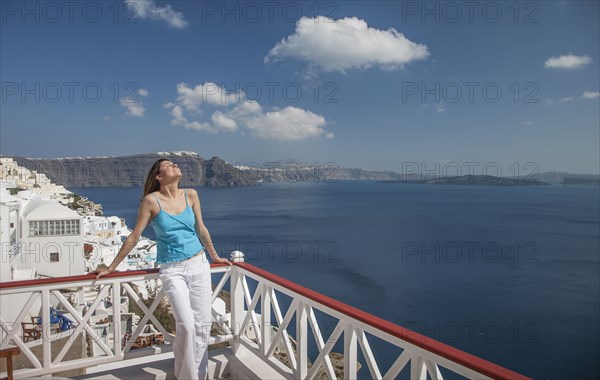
<point x="182" y="240"/>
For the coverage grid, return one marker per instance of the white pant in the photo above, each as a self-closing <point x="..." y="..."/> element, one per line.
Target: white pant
<point x="187" y="285"/>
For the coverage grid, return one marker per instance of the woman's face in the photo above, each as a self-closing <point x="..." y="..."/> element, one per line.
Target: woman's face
<point x="169" y="170"/>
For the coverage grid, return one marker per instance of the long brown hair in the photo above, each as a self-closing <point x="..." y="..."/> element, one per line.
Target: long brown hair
<point x="152" y="183"/>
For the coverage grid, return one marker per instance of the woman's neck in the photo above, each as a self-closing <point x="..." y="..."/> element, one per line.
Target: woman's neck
<point x="169" y="191"/>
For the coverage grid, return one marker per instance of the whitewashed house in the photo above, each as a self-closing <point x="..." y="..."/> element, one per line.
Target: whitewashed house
<point x="8" y="168"/>
<point x="10" y="245"/>
<point x="52" y="239"/>
<point x="106" y="227"/>
<point x="103" y="252"/>
<point x="39" y="237"/>
<point x="57" y="192"/>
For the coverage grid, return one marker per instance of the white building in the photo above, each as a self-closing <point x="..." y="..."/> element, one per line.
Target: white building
<point x="57" y="192"/>
<point x="52" y="239"/>
<point x="9" y="236"/>
<point x="38" y="237"/>
<point x="103" y="252"/>
<point x="9" y="170"/>
<point x="106" y="227"/>
<point x="13" y="175"/>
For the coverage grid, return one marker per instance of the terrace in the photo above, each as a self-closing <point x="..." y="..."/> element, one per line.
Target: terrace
<point x="271" y="329"/>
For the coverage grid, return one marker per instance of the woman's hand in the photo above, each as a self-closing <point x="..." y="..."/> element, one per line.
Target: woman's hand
<point x="221" y="260"/>
<point x="102" y="272"/>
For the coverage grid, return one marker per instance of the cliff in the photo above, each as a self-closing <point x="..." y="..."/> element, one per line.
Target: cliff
<point x="132" y="170"/>
<point x="296" y="171"/>
<point x="197" y="171"/>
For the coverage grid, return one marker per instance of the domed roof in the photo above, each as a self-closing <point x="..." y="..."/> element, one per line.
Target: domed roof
<point x="43" y="209"/>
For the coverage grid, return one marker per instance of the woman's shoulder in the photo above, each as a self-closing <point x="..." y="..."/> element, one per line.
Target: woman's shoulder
<point x="150" y="197"/>
<point x="190" y="191"/>
<point x="192" y="195"/>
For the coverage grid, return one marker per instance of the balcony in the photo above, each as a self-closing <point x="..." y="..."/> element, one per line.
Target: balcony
<point x="271" y="328"/>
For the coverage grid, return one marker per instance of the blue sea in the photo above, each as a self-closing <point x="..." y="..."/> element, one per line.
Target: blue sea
<point x="509" y="274"/>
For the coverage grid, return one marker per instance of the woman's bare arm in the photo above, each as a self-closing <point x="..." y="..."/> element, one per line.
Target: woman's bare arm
<point x="143" y="218"/>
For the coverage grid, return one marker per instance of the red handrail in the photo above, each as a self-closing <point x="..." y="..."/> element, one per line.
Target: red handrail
<point x="467" y="360"/>
<point x="83" y="277"/>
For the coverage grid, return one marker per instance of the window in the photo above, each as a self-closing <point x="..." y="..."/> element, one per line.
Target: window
<point x="54" y="257"/>
<point x="53" y="227"/>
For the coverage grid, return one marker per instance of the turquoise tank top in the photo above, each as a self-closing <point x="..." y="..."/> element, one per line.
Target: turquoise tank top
<point x="176" y="237"/>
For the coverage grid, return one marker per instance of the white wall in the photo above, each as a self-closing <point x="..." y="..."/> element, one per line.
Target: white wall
<point x="5" y="245"/>
<point x="36" y="253"/>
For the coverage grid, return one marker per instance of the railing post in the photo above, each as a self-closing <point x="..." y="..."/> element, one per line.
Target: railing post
<point x="301" y="341"/>
<point x="265" y="311"/>
<point x="116" y="298"/>
<point x="417" y="367"/>
<point x="237" y="301"/>
<point x="46" y="329"/>
<point x="350" y="359"/>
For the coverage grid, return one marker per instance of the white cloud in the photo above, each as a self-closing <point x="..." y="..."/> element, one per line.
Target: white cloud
<point x="133" y="107"/>
<point x="526" y="122"/>
<point x="223" y="122"/>
<point x="181" y="120"/>
<point x="348" y="43"/>
<point x="245" y="109"/>
<point x="211" y="93"/>
<point x="548" y="102"/>
<point x="287" y="124"/>
<point x="568" y="61"/>
<point x="438" y="107"/>
<point x="148" y="9"/>
<point x="590" y="95"/>
<point x="587" y="95"/>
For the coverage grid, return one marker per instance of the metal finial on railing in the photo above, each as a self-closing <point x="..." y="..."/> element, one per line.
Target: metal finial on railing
<point x="237" y="257"/>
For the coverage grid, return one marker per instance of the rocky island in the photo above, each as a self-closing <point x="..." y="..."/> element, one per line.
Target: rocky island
<point x="131" y="171"/>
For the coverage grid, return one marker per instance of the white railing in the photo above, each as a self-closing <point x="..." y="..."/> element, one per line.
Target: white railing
<point x="257" y="321"/>
<point x="43" y="294"/>
<point x="419" y="357"/>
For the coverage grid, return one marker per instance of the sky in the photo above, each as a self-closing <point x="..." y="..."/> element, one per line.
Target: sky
<point x="483" y="87"/>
